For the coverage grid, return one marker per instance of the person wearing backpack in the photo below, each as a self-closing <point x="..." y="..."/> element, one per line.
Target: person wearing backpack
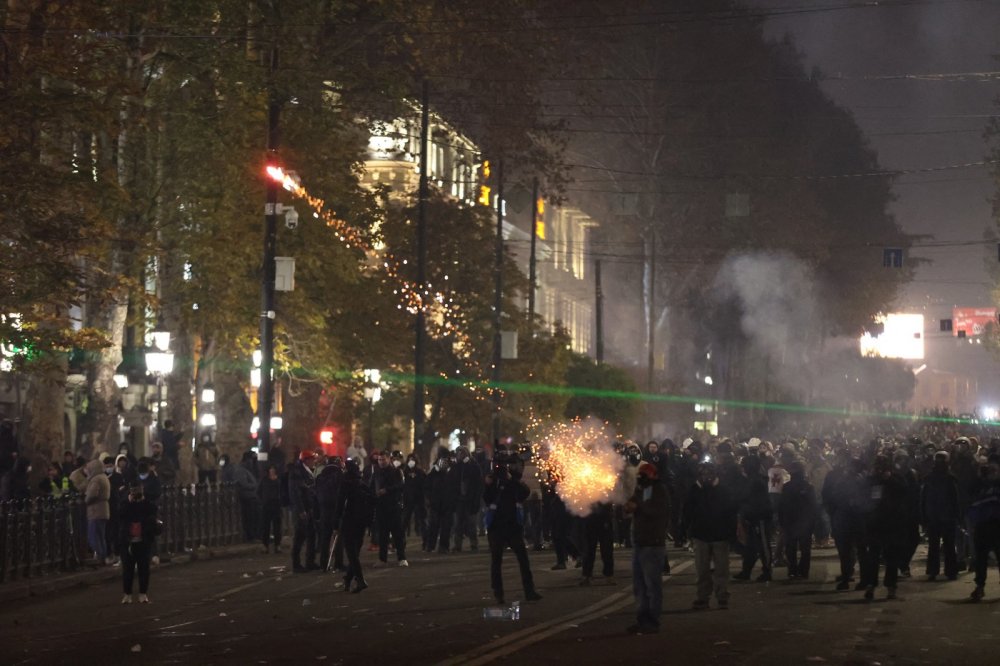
<point x="354" y="511"/>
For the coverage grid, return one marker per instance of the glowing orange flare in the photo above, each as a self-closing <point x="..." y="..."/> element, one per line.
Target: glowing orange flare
<point x="276" y="173"/>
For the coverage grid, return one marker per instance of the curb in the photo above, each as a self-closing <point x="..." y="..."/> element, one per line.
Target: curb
<point x="42" y="585"/>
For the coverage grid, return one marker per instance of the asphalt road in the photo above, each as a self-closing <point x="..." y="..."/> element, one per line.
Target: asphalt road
<point x="251" y="610"/>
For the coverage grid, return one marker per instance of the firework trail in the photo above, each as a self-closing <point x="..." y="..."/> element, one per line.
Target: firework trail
<point x="581" y="456"/>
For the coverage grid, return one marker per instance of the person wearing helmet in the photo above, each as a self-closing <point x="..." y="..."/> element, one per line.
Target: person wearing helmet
<point x="305" y="510"/>
<point x="649" y="508"/>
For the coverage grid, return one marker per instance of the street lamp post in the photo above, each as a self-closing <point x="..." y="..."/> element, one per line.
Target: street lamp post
<point x="373" y="393"/>
<point x="160" y="362"/>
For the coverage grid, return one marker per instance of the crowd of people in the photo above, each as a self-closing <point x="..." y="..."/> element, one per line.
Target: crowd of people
<point x="769" y="503"/>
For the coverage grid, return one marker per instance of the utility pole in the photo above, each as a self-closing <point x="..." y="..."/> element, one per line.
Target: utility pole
<point x="420" y="325"/>
<point x="498" y="305"/>
<point x="599" y="312"/>
<point x="532" y="262"/>
<point x="651" y="334"/>
<point x="265" y="394"/>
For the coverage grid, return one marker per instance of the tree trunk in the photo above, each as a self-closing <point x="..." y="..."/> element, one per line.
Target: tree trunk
<point x="44" y="433"/>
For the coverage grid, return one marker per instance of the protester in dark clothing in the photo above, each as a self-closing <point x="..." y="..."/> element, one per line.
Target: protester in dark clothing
<point x="269" y="496"/>
<point x="939" y="514"/>
<point x="755" y="518"/>
<point x="68" y="463"/>
<point x="441" y="502"/>
<point x="842" y="497"/>
<point x="984" y="516"/>
<point x="152" y="489"/>
<point x="246" y="489"/>
<point x="710" y="523"/>
<point x="885" y="533"/>
<point x="388" y="486"/>
<point x="649" y="508"/>
<point x="414" y="504"/>
<point x="562" y="523"/>
<point x="327" y="488"/>
<point x="467" y="488"/>
<point x="354" y="512"/>
<point x="14" y="484"/>
<point x="797" y="513"/>
<point x="504" y="495"/>
<point x="598" y="532"/>
<point x="171" y="440"/>
<point x="54" y="484"/>
<point x="911" y="515"/>
<point x="136" y="535"/>
<point x="305" y="510"/>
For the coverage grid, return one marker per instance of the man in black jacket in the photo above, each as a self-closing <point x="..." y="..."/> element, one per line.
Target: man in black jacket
<point x="414" y="507"/>
<point x="797" y="513"/>
<point x="354" y="511"/>
<point x="649" y="507"/>
<point x="327" y="488"/>
<point x="939" y="514"/>
<point x="504" y="496"/>
<point x="441" y="502"/>
<point x="842" y="490"/>
<point x="302" y="492"/>
<point x="387" y="480"/>
<point x="885" y="527"/>
<point x="710" y="523"/>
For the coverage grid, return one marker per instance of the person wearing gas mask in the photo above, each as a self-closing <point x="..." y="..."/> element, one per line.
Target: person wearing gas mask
<point x="467" y="487"/>
<point x="387" y="481"/>
<point x="504" y="495"/>
<point x="649" y="508"/>
<point x="441" y="503"/>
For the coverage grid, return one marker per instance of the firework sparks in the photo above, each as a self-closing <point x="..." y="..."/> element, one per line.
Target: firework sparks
<point x="580" y="456"/>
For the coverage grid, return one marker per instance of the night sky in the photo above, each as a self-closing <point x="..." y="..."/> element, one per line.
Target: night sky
<point x="918" y="123"/>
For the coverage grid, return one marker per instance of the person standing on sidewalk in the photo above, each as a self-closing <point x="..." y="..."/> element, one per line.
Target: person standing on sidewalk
<point x="136" y="533"/>
<point x="710" y="523"/>
<point x="649" y="508"/>
<point x="269" y="494"/>
<point x="96" y="497"/>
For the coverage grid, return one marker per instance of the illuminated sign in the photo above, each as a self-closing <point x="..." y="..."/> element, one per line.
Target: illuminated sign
<point x="972" y="321"/>
<point x="902" y="337"/>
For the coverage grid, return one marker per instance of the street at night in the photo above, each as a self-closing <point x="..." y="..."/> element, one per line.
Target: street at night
<point x="248" y="609"/>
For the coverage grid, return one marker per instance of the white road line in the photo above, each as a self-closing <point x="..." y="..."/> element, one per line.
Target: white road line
<point x="522" y="639"/>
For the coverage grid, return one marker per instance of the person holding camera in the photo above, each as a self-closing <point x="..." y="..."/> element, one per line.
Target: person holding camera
<point x="504" y="495"/>
<point x="137" y="530"/>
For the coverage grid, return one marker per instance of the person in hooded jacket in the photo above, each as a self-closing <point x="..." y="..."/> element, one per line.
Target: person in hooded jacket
<point x="354" y="512"/>
<point x="797" y="513"/>
<point x="96" y="498"/>
<point x="939" y="514"/>
<point x="246" y="489"/>
<point x="984" y="516"/>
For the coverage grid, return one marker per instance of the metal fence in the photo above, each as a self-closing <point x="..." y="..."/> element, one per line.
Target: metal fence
<point x="48" y="535"/>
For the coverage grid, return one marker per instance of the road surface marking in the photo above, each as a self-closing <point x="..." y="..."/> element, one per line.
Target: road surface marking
<point x="519" y="640"/>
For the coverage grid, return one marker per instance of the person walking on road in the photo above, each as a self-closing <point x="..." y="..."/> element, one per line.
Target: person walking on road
<point x="354" y="513"/>
<point x="797" y="514"/>
<point x="388" y="484"/>
<point x="939" y="513"/>
<point x="302" y="491"/>
<point x="649" y="508"/>
<point x="984" y="515"/>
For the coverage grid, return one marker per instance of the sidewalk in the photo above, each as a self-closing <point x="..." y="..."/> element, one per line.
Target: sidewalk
<point x="26" y="588"/>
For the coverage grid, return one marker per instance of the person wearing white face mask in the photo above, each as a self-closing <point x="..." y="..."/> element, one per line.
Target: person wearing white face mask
<point x="414" y="507"/>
